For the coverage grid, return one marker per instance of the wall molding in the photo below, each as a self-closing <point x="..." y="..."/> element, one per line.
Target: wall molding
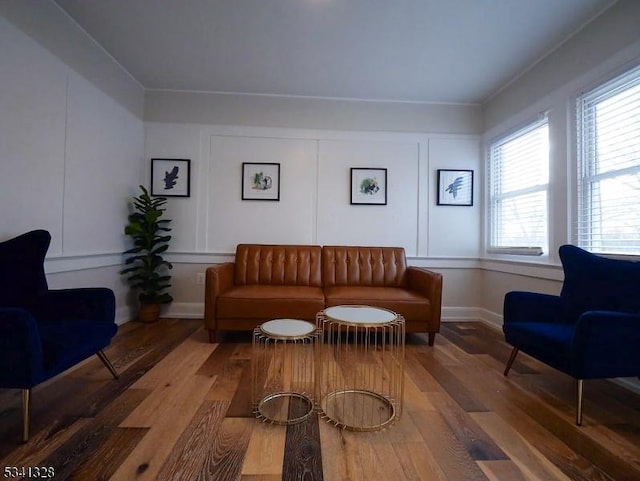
<point x="53" y="265"/>
<point x="527" y="269"/>
<point x="184" y="310"/>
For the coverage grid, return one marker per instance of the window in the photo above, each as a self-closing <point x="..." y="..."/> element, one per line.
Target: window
<point x="518" y="191"/>
<point x="608" y="183"/>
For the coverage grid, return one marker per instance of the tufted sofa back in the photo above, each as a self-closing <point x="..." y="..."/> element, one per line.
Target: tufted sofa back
<point x="289" y="265"/>
<point x="363" y="266"/>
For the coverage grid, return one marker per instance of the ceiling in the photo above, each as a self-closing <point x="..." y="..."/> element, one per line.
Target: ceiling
<point x="453" y="51"/>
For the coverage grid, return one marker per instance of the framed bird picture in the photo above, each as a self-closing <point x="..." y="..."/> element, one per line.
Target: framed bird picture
<point x="171" y="177"/>
<point x="455" y="187"/>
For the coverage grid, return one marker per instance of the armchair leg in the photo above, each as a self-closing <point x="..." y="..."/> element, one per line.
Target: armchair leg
<point x="108" y="364"/>
<point x="512" y="358"/>
<point x="579" y="402"/>
<point x="26" y="405"/>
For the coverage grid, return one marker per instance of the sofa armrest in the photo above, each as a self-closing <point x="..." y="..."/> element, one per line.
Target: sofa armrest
<point x="87" y="303"/>
<point x="605" y="344"/>
<point x="218" y="280"/>
<point x="521" y="306"/>
<point x="21" y="360"/>
<point x="429" y="284"/>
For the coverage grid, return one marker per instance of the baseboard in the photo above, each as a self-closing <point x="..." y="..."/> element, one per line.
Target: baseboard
<point x="467" y="314"/>
<point x="184" y="310"/>
<point x="124" y="314"/>
<point x="631" y="383"/>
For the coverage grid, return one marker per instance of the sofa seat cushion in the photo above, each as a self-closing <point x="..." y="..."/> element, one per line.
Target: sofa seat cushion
<point x="412" y="306"/>
<point x="270" y="302"/>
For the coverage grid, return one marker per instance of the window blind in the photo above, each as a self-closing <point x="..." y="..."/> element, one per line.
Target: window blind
<point x="608" y="170"/>
<point x="518" y="190"/>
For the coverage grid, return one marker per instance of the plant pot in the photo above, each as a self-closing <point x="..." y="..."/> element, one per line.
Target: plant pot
<point x="148" y="312"/>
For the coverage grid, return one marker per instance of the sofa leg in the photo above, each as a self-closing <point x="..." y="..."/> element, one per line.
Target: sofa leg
<point x="212" y="336"/>
<point x="432" y="338"/>
<point x="108" y="364"/>
<point x="26" y="407"/>
<point x="512" y="358"/>
<point x="579" y="386"/>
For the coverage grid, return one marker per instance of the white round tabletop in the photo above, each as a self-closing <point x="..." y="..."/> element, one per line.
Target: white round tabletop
<point x="360" y="314"/>
<point x="287" y="328"/>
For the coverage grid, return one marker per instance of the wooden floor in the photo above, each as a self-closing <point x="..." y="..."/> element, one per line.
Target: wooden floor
<point x="181" y="411"/>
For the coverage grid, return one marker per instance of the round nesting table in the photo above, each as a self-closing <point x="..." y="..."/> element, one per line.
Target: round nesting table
<point x="282" y="370"/>
<point x="360" y="368"/>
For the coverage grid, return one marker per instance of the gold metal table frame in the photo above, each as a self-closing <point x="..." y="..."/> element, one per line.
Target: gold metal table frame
<point x="360" y="366"/>
<point x="282" y="371"/>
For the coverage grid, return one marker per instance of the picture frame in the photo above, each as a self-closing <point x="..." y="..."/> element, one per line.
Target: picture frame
<point x="260" y="181"/>
<point x="368" y="186"/>
<point x="455" y="187"/>
<point x="171" y="177"/>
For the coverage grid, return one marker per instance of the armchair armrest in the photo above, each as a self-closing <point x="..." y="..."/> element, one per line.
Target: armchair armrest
<point x="218" y="280"/>
<point x="605" y="344"/>
<point x="429" y="284"/>
<point x="20" y="349"/>
<point x="88" y="303"/>
<point x="521" y="306"/>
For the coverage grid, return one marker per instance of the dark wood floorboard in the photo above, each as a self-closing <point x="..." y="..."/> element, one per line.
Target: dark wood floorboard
<point x="182" y="410"/>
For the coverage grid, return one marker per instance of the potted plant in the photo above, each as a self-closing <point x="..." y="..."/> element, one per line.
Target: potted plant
<point x="147" y="273"/>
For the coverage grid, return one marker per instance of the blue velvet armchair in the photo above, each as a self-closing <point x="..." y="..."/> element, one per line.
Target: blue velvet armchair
<point x="590" y="331"/>
<point x="44" y="332"/>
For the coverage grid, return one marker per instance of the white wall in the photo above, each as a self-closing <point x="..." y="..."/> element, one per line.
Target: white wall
<point x="70" y="156"/>
<point x="71" y="153"/>
<point x="605" y="48"/>
<point x="314" y="206"/>
<point x="310" y="113"/>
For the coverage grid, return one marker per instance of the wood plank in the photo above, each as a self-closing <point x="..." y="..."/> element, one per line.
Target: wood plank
<point x="521" y="410"/>
<point x="466" y="430"/>
<point x="528" y="459"/>
<point x="241" y="405"/>
<point x="108" y="456"/>
<point x="449" y="452"/>
<point x="336" y="466"/>
<point x="42" y="444"/>
<point x="260" y="477"/>
<point x="457" y="390"/>
<point x="227" y="380"/>
<point x="502" y="471"/>
<point x="225" y="459"/>
<point x="216" y="360"/>
<point x="302" y="454"/>
<point x="184" y="360"/>
<point x="169" y="400"/>
<point x="417" y="462"/>
<point x="89" y="440"/>
<point x="526" y="419"/>
<point x="192" y="448"/>
<point x="265" y="454"/>
<point x="167" y="413"/>
<point x="415" y="369"/>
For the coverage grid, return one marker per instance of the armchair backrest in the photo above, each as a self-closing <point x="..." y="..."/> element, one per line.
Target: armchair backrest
<point x="593" y="282"/>
<point x="22" y="277"/>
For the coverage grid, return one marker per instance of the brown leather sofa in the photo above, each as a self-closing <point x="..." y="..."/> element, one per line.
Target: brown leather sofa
<point x="297" y="281"/>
